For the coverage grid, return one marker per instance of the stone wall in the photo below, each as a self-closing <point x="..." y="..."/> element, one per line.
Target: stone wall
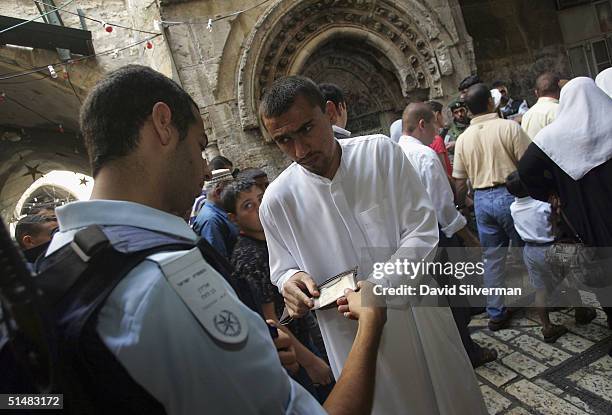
<point x="28" y="138"/>
<point x="514" y="40"/>
<point x="225" y="70"/>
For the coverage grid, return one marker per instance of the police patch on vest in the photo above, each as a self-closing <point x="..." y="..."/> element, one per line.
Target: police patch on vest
<point x="204" y="292"/>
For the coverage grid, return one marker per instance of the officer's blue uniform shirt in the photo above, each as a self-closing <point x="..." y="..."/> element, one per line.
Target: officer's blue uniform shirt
<point x="164" y="348"/>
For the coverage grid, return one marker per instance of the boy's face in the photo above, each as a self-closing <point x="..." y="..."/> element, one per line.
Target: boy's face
<point x="247" y="210"/>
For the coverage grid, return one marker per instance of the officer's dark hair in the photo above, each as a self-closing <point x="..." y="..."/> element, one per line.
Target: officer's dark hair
<point x="515" y="186"/>
<point x="30" y="225"/>
<point x="231" y="192"/>
<point x="220" y="162"/>
<point x="499" y="83"/>
<point x="116" y="109"/>
<point x="435" y="106"/>
<point x="468" y="82"/>
<point x="477" y="98"/>
<point x="279" y="98"/>
<point x="333" y="93"/>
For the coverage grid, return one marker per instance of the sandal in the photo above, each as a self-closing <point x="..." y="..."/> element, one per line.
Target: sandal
<point x="555" y="331"/>
<point x="486" y="356"/>
<point x="584" y="315"/>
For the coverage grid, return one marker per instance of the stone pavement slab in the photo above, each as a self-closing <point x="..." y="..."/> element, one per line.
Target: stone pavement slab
<point x="572" y="376"/>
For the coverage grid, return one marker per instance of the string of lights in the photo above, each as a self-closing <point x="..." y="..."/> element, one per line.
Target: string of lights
<point x="45" y="68"/>
<point x="51" y="67"/>
<point x="38" y="17"/>
<point x="212" y="20"/>
<point x="107" y="25"/>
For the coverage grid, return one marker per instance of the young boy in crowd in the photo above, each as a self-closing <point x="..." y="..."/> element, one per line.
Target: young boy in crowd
<point x="532" y="220"/>
<point x="241" y="199"/>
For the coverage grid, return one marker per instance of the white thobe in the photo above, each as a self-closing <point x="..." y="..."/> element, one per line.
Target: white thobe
<point x="433" y="176"/>
<point x="324" y="227"/>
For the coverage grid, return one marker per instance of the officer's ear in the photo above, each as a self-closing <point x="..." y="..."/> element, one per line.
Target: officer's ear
<point x="161" y="116"/>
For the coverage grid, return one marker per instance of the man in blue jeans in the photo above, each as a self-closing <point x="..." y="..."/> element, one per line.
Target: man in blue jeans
<point x="486" y="153"/>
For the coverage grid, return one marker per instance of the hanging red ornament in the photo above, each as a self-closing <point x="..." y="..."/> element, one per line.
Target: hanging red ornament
<point x="108" y="28"/>
<point x="149" y="45"/>
<point x="60" y="128"/>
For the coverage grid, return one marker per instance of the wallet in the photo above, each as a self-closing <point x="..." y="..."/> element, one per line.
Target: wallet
<point x="329" y="291"/>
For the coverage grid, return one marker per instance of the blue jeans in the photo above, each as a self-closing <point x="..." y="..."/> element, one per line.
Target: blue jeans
<point x="495" y="230"/>
<point x="539" y="271"/>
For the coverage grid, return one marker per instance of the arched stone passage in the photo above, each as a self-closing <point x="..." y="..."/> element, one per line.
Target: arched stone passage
<point x="406" y="33"/>
<point x="359" y="69"/>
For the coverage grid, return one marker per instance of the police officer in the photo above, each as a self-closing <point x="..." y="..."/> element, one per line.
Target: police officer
<point x="172" y="332"/>
<point x="458" y="125"/>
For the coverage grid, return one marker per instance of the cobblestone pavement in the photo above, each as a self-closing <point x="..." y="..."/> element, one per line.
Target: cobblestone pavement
<point x="572" y="376"/>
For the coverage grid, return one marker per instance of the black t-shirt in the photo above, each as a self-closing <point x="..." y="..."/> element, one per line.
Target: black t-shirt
<point x="250" y="261"/>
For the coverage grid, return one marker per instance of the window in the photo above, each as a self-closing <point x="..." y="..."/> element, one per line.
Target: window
<point x="601" y="55"/>
<point x="587" y="31"/>
<point x="578" y="61"/>
<point x="604" y="16"/>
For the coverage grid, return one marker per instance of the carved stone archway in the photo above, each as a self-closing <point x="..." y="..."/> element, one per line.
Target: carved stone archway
<point x="359" y="70"/>
<point x="404" y="39"/>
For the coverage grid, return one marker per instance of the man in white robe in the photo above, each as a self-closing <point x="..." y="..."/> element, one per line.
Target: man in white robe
<point x="419" y="131"/>
<point x="325" y="214"/>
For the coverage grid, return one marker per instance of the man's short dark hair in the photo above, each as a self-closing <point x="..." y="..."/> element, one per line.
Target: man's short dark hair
<point x="231" y="192"/>
<point x="116" y="109"/>
<point x="279" y="98"/>
<point x="547" y="84"/>
<point x="30" y="225"/>
<point x="333" y="93"/>
<point x="435" y="106"/>
<point x="468" y="82"/>
<point x="499" y="84"/>
<point x="251" y="173"/>
<point x="415" y="112"/>
<point x="515" y="186"/>
<point x="477" y="99"/>
<point x="220" y="162"/>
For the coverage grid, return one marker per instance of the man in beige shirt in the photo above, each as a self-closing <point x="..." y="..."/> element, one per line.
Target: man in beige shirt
<point x="486" y="153"/>
<point x="545" y="110"/>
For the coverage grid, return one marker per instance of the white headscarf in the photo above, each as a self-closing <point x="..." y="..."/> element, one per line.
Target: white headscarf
<point x="580" y="138"/>
<point x="604" y="81"/>
<point x="497" y="96"/>
<point x="396" y="130"/>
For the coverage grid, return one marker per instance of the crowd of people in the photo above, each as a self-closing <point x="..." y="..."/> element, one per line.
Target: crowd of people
<point x="215" y="311"/>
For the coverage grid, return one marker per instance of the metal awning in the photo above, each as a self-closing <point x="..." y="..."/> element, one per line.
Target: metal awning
<point x="46" y="36"/>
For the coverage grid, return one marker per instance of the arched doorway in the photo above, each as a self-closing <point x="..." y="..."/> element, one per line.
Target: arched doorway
<point x="372" y="91"/>
<point x="384" y="53"/>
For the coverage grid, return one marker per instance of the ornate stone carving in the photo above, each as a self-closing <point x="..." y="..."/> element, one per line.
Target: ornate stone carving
<point x="443" y="56"/>
<point x="290" y="25"/>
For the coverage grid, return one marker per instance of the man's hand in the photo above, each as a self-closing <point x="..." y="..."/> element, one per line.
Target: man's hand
<point x="294" y="291"/>
<point x="353" y="306"/>
<point x="286" y="352"/>
<point x="319" y="372"/>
